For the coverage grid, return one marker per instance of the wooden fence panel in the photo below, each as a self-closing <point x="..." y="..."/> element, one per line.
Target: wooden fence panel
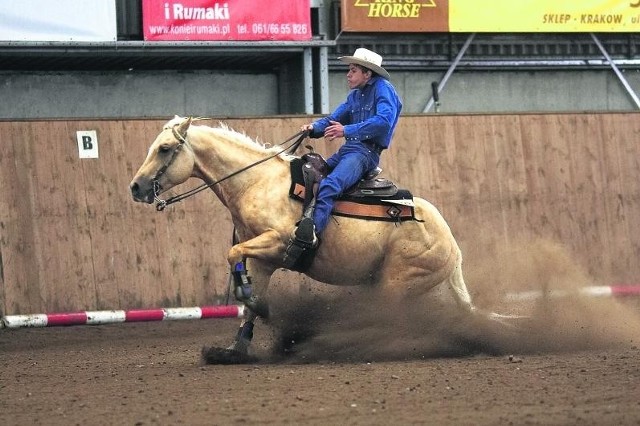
<point x="17" y="246"/>
<point x="71" y="237"/>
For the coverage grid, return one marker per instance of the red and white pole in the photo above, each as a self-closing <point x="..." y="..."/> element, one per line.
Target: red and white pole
<point x="118" y="316"/>
<point x="591" y="291"/>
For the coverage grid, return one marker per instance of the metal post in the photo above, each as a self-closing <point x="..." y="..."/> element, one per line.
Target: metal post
<point x="324" y="80"/>
<point x="623" y="80"/>
<point x="308" y="80"/>
<point x="452" y="67"/>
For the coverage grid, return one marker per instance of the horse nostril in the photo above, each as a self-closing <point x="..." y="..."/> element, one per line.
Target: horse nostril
<point x="135" y="188"/>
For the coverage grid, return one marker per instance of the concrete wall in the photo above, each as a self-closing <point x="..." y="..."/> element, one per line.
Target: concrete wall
<point x="214" y="93"/>
<point x="136" y="94"/>
<point x="510" y="91"/>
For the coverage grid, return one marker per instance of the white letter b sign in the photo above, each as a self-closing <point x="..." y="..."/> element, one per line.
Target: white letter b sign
<point x="87" y="143"/>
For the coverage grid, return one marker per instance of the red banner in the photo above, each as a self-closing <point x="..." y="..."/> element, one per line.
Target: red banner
<point x="207" y="20"/>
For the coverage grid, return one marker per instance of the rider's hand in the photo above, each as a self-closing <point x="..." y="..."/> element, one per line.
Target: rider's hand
<point x="335" y="130"/>
<point x="306" y="128"/>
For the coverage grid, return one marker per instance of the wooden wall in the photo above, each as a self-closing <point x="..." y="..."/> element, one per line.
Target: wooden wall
<point x="71" y="238"/>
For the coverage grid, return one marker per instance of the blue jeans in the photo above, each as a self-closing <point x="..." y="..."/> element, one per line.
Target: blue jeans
<point x="348" y="166"/>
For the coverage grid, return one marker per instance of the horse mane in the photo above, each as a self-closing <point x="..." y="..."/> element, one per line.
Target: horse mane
<point x="177" y="120"/>
<point x="225" y="131"/>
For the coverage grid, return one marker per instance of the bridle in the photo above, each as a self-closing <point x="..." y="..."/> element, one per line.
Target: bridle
<point x="182" y="140"/>
<point x="156" y="185"/>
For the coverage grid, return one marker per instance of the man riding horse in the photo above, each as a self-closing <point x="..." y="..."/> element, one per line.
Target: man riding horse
<point x="407" y="254"/>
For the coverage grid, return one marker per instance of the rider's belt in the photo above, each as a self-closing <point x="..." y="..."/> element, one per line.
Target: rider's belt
<point x="373" y="147"/>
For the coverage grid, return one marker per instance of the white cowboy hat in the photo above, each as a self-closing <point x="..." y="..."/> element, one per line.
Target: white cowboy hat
<point x="368" y="59"/>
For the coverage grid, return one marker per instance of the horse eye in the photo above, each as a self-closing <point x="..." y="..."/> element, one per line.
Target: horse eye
<point x="164" y="149"/>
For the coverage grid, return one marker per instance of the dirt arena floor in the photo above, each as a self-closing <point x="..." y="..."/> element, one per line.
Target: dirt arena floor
<point x="350" y="360"/>
<point x="152" y="373"/>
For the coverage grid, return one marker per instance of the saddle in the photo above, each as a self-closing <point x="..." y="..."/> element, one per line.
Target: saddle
<point x="372" y="198"/>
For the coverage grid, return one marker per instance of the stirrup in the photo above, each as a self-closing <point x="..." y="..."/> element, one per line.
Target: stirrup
<point x="303" y="242"/>
<point x="305" y="233"/>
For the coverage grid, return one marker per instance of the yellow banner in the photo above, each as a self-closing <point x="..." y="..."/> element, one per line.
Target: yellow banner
<point x="507" y="16"/>
<point x="544" y="16"/>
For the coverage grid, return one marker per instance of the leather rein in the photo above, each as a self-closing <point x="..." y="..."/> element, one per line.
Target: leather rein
<point x="162" y="204"/>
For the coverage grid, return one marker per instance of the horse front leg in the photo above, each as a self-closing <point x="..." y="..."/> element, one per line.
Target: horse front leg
<point x="258" y="251"/>
<point x="254" y="307"/>
<point x="238" y="351"/>
<point x="266" y="247"/>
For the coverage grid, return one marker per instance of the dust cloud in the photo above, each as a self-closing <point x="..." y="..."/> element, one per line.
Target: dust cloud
<point x="354" y="324"/>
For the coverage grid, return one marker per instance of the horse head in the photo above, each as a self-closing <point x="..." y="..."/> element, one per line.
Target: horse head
<point x="170" y="162"/>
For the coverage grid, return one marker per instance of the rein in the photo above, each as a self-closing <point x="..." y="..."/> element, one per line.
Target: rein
<point x="162" y="204"/>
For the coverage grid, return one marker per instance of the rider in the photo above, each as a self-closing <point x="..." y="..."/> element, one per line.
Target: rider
<point x="366" y="120"/>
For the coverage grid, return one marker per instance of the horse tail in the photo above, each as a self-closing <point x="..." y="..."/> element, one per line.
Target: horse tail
<point x="461" y="293"/>
<point x="459" y="287"/>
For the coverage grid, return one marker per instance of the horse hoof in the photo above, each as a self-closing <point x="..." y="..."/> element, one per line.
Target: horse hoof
<point x="259" y="307"/>
<point x="226" y="356"/>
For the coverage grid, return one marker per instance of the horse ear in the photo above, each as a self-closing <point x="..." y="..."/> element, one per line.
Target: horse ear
<point x="184" y="126"/>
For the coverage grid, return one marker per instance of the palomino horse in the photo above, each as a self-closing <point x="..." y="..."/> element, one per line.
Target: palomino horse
<point x="413" y="259"/>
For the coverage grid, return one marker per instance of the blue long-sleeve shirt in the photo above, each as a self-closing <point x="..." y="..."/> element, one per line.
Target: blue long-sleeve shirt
<point x="368" y="115"/>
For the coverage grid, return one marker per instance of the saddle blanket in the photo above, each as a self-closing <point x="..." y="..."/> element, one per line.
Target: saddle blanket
<point x="394" y="208"/>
